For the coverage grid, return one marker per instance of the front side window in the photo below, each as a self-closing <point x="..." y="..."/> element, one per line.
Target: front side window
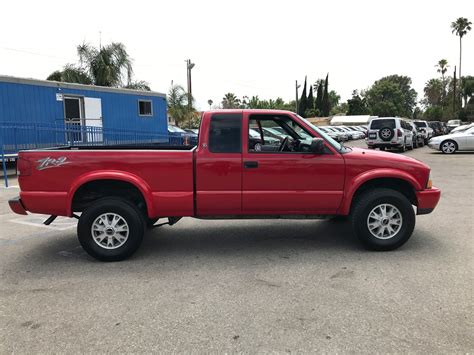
<point x="225" y="133"/>
<point x="269" y="133"/>
<point x="145" y="108"/>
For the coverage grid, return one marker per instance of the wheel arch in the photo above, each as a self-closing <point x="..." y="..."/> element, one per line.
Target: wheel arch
<point x="121" y="181"/>
<point x="449" y="140"/>
<point x="392" y="179"/>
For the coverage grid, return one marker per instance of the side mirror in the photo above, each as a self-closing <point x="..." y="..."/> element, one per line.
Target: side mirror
<point x="317" y="145"/>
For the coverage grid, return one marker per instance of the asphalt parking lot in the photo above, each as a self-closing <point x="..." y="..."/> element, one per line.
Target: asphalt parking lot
<point x="246" y="286"/>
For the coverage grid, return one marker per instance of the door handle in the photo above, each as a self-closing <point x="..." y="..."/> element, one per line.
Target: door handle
<point x="251" y="164"/>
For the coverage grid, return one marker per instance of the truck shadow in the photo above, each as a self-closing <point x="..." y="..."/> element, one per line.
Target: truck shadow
<point x="217" y="244"/>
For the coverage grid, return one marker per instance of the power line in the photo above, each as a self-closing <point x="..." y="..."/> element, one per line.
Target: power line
<point x="31" y="53"/>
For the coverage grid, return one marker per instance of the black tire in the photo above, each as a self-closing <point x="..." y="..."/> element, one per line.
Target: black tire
<point x="422" y="143"/>
<point x="382" y="148"/>
<point x="448" y="147"/>
<point x="129" y="213"/>
<point x="363" y="206"/>
<point x="415" y="144"/>
<point x="402" y="149"/>
<point x="426" y="141"/>
<point x="386" y="133"/>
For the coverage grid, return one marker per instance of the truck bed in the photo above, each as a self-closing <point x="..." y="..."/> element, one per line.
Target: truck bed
<point x="163" y="174"/>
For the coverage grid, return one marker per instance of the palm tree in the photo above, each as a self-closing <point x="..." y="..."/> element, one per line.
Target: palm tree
<point x="105" y="66"/>
<point x="210" y="102"/>
<point x="460" y="27"/>
<point x="230" y="101"/>
<point x="177" y="104"/>
<point x="442" y="67"/>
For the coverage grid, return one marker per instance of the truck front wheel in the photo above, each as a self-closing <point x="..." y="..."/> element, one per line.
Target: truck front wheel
<point x="383" y="219"/>
<point x="111" y="229"/>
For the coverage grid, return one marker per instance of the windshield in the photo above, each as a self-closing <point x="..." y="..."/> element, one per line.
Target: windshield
<point x="323" y="134"/>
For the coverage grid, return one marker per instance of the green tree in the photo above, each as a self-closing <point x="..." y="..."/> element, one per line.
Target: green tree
<point x="442" y="67"/>
<point x="106" y="66"/>
<point x="178" y="104"/>
<point x="357" y="105"/>
<point x="461" y="27"/>
<point x="302" y="105"/>
<point x="391" y="96"/>
<point x="434" y="92"/>
<point x="318" y="86"/>
<point x="230" y="101"/>
<point x="467" y="89"/>
<point x="310" y="100"/>
<point x="326" y="106"/>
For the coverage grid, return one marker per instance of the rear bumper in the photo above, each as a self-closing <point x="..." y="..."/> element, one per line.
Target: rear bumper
<point x="17" y="206"/>
<point x="427" y="200"/>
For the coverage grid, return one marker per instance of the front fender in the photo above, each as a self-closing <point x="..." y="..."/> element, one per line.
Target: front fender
<point x="357" y="181"/>
<point x="133" y="179"/>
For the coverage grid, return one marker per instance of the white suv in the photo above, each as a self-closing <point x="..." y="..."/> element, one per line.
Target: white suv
<point x="425" y="129"/>
<point x="389" y="132"/>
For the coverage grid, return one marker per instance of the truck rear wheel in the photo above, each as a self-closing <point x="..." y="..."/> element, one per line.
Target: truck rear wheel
<point x="111" y="229"/>
<point x="383" y="219"/>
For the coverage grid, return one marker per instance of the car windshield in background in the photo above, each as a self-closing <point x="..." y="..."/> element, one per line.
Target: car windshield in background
<point x="420" y="124"/>
<point x="175" y="129"/>
<point x="377" y="124"/>
<point x="323" y="134"/>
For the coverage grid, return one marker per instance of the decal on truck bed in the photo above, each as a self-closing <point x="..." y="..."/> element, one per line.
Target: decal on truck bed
<point x="49" y="162"/>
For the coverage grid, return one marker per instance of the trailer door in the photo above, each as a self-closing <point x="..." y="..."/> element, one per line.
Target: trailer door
<point x="93" y="119"/>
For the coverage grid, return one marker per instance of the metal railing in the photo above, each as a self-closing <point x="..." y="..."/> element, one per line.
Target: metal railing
<point x="20" y="136"/>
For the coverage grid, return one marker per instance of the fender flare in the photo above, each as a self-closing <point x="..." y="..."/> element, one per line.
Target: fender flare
<point x="136" y="181"/>
<point x="357" y="181"/>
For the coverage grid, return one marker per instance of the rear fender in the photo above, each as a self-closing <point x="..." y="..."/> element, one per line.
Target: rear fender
<point x="139" y="183"/>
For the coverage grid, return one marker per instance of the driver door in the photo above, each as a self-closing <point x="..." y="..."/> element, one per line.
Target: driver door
<point x="288" y="182"/>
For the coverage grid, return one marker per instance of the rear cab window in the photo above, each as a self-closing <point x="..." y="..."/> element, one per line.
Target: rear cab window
<point x="225" y="133"/>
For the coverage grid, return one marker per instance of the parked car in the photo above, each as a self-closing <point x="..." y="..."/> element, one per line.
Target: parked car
<point x="389" y="133"/>
<point x="180" y="136"/>
<point x="255" y="140"/>
<point x="192" y="130"/>
<point x="117" y="191"/>
<point x="418" y="140"/>
<point x="453" y="124"/>
<point x="462" y="128"/>
<point x="360" y="129"/>
<point x="425" y="129"/>
<point x="451" y="143"/>
<point x="438" y="128"/>
<point x="341" y="136"/>
<point x="352" y="133"/>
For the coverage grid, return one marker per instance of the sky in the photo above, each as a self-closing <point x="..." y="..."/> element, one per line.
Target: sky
<point x="245" y="47"/>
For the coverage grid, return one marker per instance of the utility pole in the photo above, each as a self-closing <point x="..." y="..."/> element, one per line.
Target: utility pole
<point x="189" y="66"/>
<point x="296" y="102"/>
<point x="454" y="91"/>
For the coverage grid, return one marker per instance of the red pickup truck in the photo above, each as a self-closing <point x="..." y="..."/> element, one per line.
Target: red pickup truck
<point x="292" y="170"/>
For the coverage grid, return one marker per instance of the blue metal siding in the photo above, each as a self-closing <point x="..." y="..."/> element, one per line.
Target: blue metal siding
<point x="24" y="103"/>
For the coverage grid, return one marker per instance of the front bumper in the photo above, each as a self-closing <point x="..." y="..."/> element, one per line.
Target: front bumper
<point x="427" y="200"/>
<point x="17" y="206"/>
<point x="434" y="145"/>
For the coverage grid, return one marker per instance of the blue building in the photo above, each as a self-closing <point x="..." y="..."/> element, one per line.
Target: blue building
<point x="38" y="113"/>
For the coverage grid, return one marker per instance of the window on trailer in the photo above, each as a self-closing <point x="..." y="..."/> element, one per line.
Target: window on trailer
<point x="145" y="108"/>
